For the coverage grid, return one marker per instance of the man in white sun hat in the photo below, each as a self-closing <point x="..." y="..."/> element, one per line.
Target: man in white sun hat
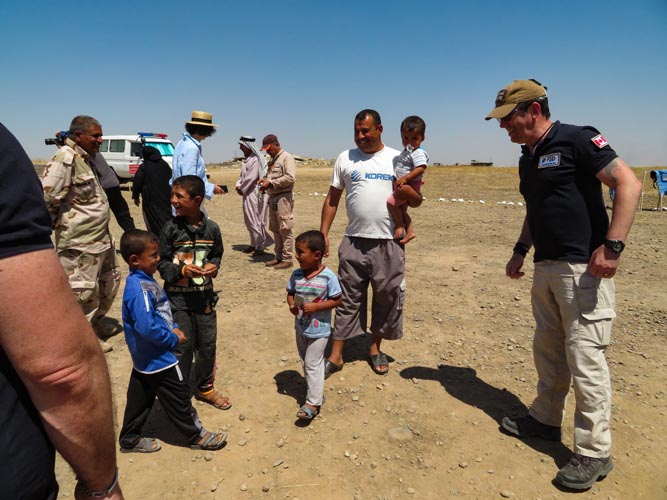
<point x="188" y="159"/>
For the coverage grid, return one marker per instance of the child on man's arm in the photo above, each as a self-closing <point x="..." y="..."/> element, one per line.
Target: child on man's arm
<point x="409" y="168"/>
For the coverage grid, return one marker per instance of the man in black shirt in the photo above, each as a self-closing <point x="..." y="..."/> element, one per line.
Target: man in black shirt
<point x="577" y="253"/>
<point x="111" y="185"/>
<point x="54" y="383"/>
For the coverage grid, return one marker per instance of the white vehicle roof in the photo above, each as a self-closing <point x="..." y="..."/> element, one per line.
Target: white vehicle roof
<point x="137" y="137"/>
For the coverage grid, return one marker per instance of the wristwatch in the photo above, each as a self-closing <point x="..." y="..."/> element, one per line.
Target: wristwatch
<point x="101" y="493"/>
<point x="615" y="246"/>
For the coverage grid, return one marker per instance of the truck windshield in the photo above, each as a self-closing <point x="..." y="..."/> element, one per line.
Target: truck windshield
<point x="165" y="148"/>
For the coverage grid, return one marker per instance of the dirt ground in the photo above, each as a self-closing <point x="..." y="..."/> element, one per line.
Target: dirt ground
<point x="430" y="428"/>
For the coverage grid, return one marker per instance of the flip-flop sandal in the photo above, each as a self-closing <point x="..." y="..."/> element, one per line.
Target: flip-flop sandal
<point x="307" y="413"/>
<point x="214" y="441"/>
<point x="331" y="368"/>
<point x="214" y="398"/>
<point x="144" y="445"/>
<point x="379" y="359"/>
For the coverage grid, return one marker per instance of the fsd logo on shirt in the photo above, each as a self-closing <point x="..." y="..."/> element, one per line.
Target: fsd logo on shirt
<point x="548" y="161"/>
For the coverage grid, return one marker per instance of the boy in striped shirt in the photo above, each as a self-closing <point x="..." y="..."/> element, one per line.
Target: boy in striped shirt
<point x="313" y="292"/>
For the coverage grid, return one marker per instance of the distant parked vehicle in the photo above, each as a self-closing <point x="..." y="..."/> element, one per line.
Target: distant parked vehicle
<point x="123" y="152"/>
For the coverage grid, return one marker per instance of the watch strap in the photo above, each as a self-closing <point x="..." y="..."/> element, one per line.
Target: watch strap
<point x="101" y="493"/>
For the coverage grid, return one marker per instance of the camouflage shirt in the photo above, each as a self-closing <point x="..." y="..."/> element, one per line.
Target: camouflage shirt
<point x="76" y="201"/>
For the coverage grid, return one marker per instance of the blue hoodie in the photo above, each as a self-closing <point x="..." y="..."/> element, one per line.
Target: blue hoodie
<point x="148" y="324"/>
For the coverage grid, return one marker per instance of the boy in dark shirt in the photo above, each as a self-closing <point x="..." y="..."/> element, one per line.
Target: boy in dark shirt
<point x="190" y="254"/>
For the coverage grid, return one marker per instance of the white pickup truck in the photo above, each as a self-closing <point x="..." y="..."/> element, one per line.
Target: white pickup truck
<point x="123" y="152"/>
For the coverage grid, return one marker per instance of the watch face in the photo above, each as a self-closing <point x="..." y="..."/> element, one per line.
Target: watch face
<point x="615" y="246"/>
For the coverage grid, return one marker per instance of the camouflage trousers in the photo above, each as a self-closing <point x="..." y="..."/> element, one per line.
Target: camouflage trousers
<point x="94" y="278"/>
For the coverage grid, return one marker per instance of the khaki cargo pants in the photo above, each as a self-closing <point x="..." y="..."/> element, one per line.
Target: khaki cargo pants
<point x="281" y="222"/>
<point x="573" y="313"/>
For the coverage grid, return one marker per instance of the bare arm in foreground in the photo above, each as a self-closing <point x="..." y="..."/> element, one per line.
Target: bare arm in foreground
<point x="55" y="352"/>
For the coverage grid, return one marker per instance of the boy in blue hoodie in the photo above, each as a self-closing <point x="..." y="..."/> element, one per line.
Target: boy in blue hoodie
<point x="151" y="335"/>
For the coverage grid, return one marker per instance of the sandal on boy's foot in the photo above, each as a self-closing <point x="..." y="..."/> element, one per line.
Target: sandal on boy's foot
<point x="378" y="360"/>
<point x="307" y="413"/>
<point x="211" y="441"/>
<point x="144" y="445"/>
<point x="330" y="368"/>
<point x="214" y="398"/>
<point x="249" y="250"/>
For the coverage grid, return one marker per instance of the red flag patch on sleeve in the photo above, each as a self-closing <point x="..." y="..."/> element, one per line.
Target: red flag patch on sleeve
<point x="599" y="141"/>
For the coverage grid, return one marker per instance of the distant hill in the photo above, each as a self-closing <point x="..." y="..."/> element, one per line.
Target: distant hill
<point x="301" y="161"/>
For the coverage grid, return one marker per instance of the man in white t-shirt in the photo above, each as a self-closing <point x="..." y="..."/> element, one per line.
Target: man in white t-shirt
<point x="368" y="254"/>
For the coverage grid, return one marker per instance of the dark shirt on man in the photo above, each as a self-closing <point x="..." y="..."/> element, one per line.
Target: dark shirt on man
<point x="565" y="207"/>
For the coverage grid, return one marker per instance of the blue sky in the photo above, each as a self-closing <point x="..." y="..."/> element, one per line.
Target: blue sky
<point x="303" y="69"/>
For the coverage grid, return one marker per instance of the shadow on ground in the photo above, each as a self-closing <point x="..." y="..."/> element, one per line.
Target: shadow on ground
<point x="240" y="248"/>
<point x="159" y="426"/>
<point x="462" y="383"/>
<point x="255" y="257"/>
<point x="292" y="383"/>
<point x="356" y="349"/>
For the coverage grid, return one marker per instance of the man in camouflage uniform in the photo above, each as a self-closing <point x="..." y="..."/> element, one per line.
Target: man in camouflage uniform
<point x="80" y="214"/>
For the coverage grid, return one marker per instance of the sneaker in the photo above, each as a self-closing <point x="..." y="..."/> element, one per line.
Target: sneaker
<point x="105" y="346"/>
<point x="526" y="427"/>
<point x="285" y="264"/>
<point x="582" y="472"/>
